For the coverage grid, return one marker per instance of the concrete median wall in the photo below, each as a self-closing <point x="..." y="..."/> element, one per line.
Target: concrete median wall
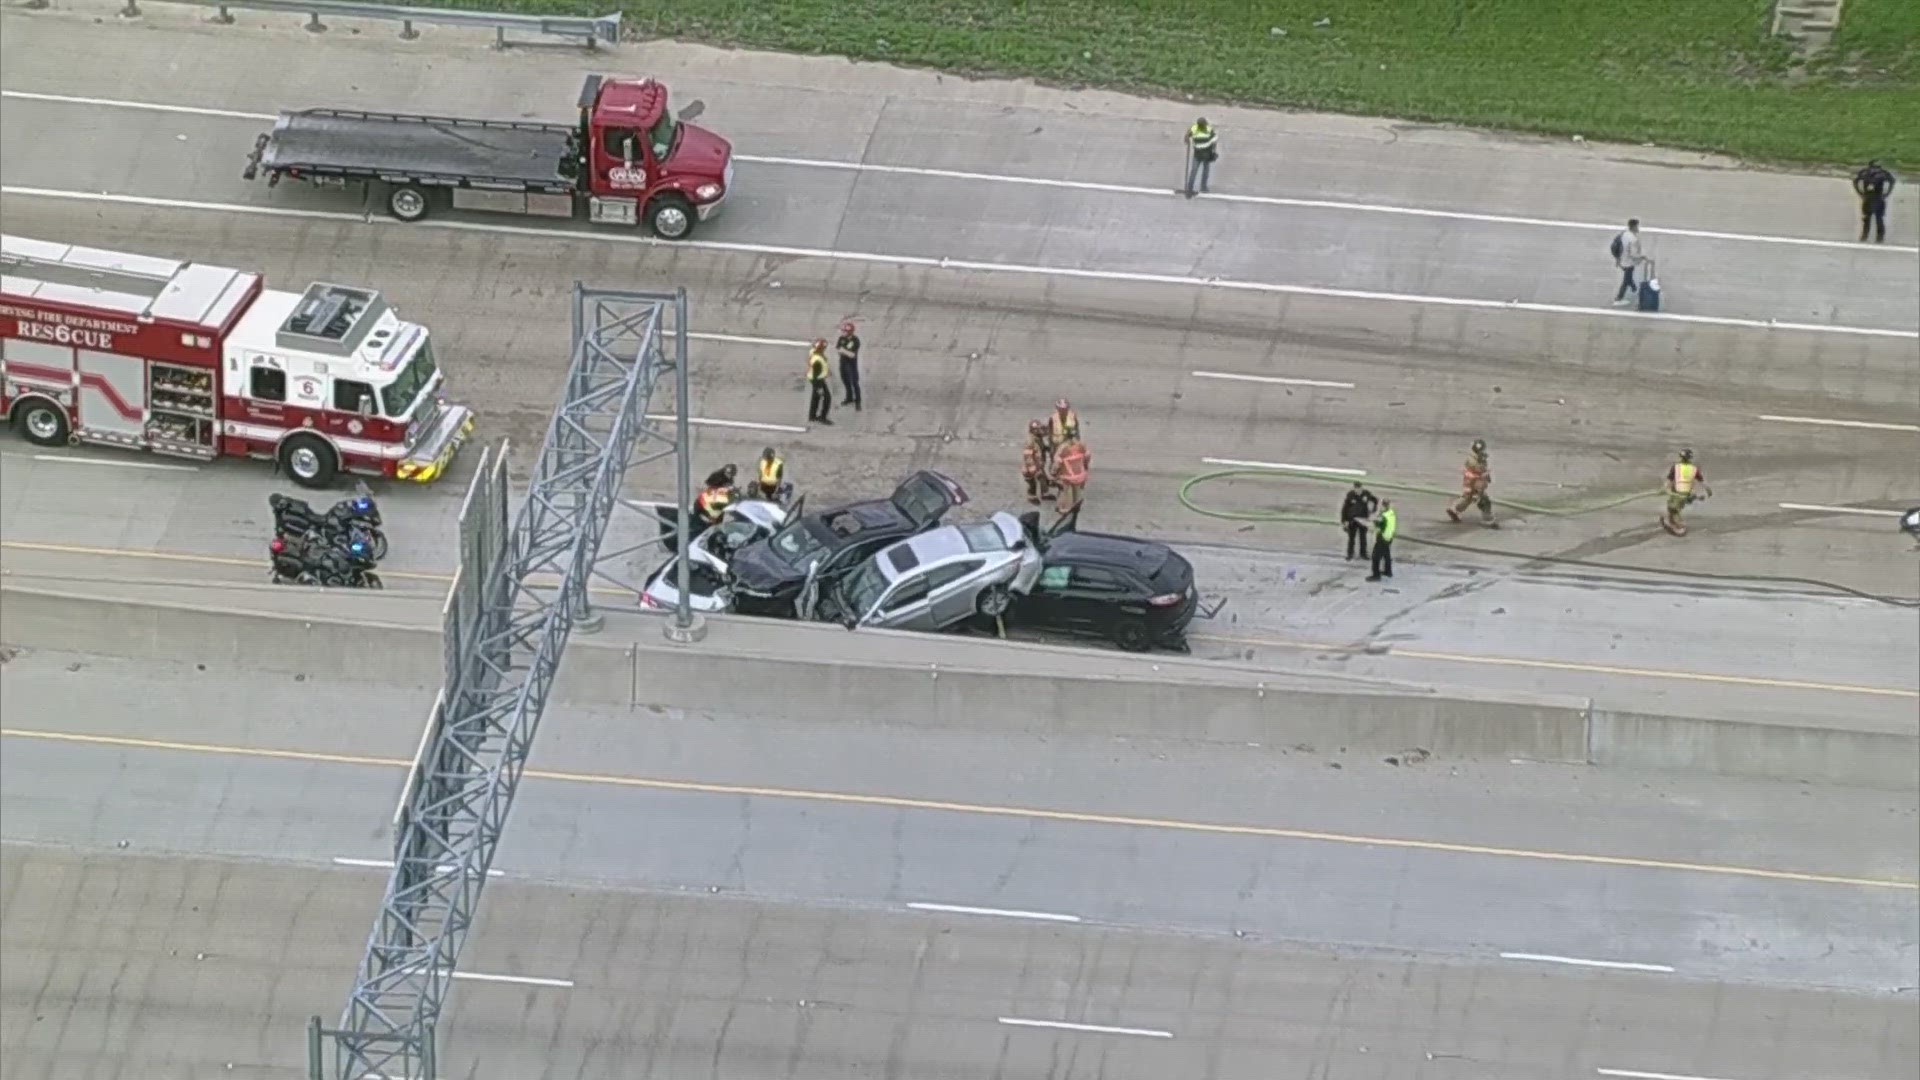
<point x="756" y="670"/>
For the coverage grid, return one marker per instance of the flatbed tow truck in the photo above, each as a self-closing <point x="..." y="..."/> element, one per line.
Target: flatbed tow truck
<point x="627" y="161"/>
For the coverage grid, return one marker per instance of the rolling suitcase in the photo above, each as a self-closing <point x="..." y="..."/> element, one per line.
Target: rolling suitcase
<point x="1650" y="289"/>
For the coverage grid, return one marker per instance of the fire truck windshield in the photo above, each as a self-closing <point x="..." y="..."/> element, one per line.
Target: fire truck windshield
<point x="399" y="395"/>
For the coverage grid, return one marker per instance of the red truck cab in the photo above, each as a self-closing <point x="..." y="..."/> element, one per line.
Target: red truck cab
<point x="638" y="160"/>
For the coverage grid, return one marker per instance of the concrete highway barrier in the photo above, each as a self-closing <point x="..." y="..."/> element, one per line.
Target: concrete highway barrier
<point x="822" y="674"/>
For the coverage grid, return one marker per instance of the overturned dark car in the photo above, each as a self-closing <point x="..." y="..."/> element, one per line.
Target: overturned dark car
<point x="767" y="576"/>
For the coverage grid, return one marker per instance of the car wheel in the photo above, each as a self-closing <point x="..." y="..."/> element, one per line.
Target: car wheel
<point x="1133" y="637"/>
<point x="993" y="601"/>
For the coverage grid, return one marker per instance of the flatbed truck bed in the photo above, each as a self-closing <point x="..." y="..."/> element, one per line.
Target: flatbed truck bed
<point x="440" y="150"/>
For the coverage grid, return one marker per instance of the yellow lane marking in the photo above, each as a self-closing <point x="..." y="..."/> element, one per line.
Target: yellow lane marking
<point x="896" y="802"/>
<point x="1275" y="643"/>
<point x="1570" y="665"/>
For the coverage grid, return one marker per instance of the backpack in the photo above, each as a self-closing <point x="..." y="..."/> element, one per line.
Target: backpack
<point x="1616" y="247"/>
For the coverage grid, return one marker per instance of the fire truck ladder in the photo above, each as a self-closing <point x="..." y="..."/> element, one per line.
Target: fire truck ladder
<point x="517" y="595"/>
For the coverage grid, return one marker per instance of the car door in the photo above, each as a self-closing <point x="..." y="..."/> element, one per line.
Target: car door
<point x="1092" y="600"/>
<point x="925" y="498"/>
<point x="904" y="607"/>
<point x="951" y="589"/>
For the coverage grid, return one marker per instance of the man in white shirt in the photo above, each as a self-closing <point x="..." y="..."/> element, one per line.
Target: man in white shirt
<point x="1627" y="255"/>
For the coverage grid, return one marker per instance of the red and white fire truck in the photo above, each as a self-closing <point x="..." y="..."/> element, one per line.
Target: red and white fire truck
<point x="198" y="361"/>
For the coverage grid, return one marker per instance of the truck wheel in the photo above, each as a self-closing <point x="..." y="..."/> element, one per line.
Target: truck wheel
<point x="670" y="217"/>
<point x="407" y="203"/>
<point x="42" y="424"/>
<point x="309" y="460"/>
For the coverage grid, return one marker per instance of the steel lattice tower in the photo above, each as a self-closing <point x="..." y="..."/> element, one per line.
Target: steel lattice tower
<point x="519" y="592"/>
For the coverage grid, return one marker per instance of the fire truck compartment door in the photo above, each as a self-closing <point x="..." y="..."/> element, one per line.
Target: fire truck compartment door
<point x="113" y="393"/>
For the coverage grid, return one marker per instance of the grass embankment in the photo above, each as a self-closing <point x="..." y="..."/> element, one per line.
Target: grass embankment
<point x="1700" y="74"/>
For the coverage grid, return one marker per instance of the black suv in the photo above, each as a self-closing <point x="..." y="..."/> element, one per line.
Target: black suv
<point x="1136" y="593"/>
<point x="768" y="574"/>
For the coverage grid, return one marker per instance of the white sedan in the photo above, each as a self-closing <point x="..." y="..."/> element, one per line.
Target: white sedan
<point x="707" y="554"/>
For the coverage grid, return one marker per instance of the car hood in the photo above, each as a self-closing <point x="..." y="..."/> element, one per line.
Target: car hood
<point x="700" y="152"/>
<point x="758" y="566"/>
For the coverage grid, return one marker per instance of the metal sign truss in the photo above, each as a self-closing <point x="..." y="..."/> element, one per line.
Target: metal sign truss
<point x="517" y="595"/>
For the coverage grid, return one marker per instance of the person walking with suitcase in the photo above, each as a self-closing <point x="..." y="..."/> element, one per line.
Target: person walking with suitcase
<point x="1874" y="185"/>
<point x="1628" y="255"/>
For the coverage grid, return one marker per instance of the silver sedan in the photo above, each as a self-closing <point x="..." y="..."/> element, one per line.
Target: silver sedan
<point x="937" y="579"/>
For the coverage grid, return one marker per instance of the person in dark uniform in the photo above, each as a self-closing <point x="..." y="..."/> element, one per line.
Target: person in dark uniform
<point x="1874" y="185"/>
<point x="1354" y="512"/>
<point x="849" y="346"/>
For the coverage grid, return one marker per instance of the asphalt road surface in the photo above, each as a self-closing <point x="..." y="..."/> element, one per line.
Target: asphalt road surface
<point x="208" y="812"/>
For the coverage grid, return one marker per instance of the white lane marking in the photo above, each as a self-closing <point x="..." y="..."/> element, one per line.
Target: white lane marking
<point x="1611" y="965"/>
<point x="1232" y="377"/>
<point x="523" y="980"/>
<point x="64" y="460"/>
<point x="1869" y="424"/>
<point x="1090" y="185"/>
<point x="980" y="266"/>
<point x="706" y="421"/>
<point x="962" y="909"/>
<point x="1861" y="510"/>
<point x="1309" y="204"/>
<point x="1234" y="463"/>
<point x="1635" y="1074"/>
<point x="387" y="864"/>
<point x="745" y="339"/>
<point x="1098" y="1029"/>
<point x="148" y="106"/>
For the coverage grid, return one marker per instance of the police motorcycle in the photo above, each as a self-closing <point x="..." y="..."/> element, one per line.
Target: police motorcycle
<point x="353" y="519"/>
<point x="318" y="560"/>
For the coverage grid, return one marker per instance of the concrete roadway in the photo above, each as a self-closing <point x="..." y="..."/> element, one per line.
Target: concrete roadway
<point x="1578" y="411"/>
<point x="1347" y="957"/>
<point x="219" y="963"/>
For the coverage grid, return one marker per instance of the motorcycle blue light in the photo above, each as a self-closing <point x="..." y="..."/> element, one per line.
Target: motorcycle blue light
<point x="359" y="548"/>
<point x="363" y="503"/>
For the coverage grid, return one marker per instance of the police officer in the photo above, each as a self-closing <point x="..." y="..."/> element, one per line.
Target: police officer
<point x="1203" y="149"/>
<point x="849" y="348"/>
<point x="821" y="401"/>
<point x="1354" y="512"/>
<point x="1385" y="527"/>
<point x="1874" y="185"/>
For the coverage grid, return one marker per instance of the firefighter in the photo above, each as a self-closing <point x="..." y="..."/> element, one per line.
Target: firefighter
<point x="1070" y="462"/>
<point x="849" y="349"/>
<point x="1475" y="477"/>
<point x="1034" y="463"/>
<point x="1064" y="424"/>
<point x="821" y="402"/>
<point x="714" y="499"/>
<point x="772" y="476"/>
<point x="1682" y="480"/>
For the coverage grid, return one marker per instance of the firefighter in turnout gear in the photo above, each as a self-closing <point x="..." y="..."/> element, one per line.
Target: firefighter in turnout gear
<point x="1685" y="483"/>
<point x="1070" y="462"/>
<point x="820" y="403"/>
<point x="1476" y="476"/>
<point x="1064" y="424"/>
<point x="1034" y="463"/>
<point x="714" y="499"/>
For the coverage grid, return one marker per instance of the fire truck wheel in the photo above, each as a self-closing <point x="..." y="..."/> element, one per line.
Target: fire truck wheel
<point x="407" y="203"/>
<point x="309" y="460"/>
<point x="42" y="424"/>
<point x="670" y="217"/>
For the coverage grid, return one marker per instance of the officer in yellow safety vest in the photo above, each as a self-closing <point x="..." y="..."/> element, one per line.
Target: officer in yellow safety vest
<point x="1682" y="481"/>
<point x="1385" y="527"/>
<point x="773" y="471"/>
<point x="1203" y="148"/>
<point x="821" y="402"/>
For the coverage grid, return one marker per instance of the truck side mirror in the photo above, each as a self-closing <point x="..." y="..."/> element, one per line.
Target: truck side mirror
<point x="693" y="110"/>
<point x="366" y="405"/>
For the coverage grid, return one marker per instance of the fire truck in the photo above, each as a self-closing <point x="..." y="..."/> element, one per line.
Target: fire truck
<point x="625" y="161"/>
<point x="199" y="361"/>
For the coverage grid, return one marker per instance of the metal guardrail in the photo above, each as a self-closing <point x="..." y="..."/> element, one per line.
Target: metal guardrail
<point x="592" y="33"/>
